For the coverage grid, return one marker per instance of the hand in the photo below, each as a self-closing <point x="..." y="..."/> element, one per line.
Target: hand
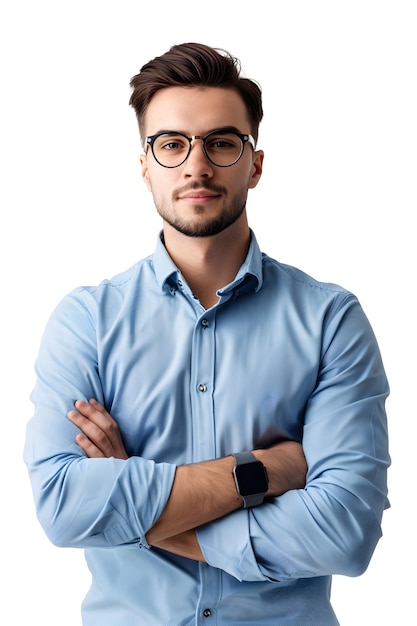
<point x="100" y="436"/>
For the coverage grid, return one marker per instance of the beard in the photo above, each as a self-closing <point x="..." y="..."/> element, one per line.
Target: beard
<point x="201" y="226"/>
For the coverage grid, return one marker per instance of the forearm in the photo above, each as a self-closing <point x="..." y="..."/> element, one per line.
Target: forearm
<point x="204" y="492"/>
<point x="186" y="545"/>
<point x="201" y="493"/>
<point x="286" y="466"/>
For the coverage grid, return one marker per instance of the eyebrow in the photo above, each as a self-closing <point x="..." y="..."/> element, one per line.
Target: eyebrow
<point x="221" y="129"/>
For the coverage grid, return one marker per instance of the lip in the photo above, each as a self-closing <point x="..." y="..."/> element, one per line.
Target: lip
<point x="202" y="195"/>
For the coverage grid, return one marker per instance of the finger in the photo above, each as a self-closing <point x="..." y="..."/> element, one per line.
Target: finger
<point x="93" y="432"/>
<point x="100" y="428"/>
<point x="88" y="447"/>
<point x="97" y="414"/>
<point x="94" y="411"/>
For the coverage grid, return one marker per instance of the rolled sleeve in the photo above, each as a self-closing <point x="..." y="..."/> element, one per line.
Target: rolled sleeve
<point x="226" y="545"/>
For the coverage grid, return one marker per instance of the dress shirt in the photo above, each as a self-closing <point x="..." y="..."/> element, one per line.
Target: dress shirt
<point x="280" y="355"/>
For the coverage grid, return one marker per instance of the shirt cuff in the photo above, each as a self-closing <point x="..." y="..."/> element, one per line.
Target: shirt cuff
<point x="226" y="544"/>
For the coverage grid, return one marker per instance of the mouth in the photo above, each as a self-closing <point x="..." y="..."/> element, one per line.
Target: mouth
<point x="202" y="195"/>
<point x="198" y="196"/>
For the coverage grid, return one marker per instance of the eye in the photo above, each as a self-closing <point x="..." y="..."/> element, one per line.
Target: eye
<point x="221" y="142"/>
<point x="171" y="143"/>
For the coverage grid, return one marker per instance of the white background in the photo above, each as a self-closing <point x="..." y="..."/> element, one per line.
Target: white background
<point x="338" y="199"/>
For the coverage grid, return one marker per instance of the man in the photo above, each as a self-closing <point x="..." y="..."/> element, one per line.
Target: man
<point x="227" y="452"/>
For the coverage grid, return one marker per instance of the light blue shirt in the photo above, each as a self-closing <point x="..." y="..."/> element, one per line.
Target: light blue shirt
<point x="279" y="355"/>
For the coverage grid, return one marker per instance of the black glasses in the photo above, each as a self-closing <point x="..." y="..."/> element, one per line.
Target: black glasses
<point x="221" y="147"/>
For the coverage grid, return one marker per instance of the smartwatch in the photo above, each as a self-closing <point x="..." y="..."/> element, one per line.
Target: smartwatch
<point x="251" y="479"/>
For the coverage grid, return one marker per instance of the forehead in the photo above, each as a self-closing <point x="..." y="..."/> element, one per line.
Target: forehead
<point x="195" y="110"/>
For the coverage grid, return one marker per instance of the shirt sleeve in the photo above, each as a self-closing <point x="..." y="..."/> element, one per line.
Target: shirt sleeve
<point x="333" y="525"/>
<point x="82" y="502"/>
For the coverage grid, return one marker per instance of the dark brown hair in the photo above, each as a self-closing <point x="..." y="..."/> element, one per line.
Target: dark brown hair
<point x="194" y="65"/>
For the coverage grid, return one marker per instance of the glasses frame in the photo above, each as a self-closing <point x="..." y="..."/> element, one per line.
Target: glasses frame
<point x="244" y="138"/>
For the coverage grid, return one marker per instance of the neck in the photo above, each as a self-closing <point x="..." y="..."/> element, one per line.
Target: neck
<point x="209" y="263"/>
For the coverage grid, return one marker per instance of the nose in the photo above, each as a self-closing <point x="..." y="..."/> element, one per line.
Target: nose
<point x="197" y="164"/>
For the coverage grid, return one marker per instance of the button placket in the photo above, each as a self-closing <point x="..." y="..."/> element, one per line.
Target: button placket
<point x="202" y="380"/>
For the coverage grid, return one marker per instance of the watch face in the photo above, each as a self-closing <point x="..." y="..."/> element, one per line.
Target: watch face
<point x="251" y="478"/>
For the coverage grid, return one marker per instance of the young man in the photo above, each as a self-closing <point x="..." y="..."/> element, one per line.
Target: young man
<point x="205" y="379"/>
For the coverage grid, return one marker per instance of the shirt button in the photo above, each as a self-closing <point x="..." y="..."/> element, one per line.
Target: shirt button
<point x="206" y="612"/>
<point x="202" y="388"/>
<point x="179" y="282"/>
<point x="204" y="323"/>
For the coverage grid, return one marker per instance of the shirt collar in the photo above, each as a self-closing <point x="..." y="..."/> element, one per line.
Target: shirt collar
<point x="248" y="278"/>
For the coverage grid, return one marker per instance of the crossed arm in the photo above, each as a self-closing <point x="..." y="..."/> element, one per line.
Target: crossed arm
<point x="201" y="492"/>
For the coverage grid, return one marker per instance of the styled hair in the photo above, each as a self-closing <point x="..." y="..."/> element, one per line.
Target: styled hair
<point x="195" y="65"/>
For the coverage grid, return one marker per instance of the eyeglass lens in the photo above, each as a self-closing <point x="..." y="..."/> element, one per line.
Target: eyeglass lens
<point x="222" y="149"/>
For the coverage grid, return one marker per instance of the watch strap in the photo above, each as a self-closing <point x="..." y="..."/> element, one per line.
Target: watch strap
<point x="254" y="500"/>
<point x="245" y="457"/>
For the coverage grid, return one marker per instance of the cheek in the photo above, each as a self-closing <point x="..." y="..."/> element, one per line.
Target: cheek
<point x="246" y="179"/>
<point x="159" y="183"/>
<point x="153" y="179"/>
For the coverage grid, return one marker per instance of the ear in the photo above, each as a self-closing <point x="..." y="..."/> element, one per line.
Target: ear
<point x="145" y="171"/>
<point x="256" y="172"/>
